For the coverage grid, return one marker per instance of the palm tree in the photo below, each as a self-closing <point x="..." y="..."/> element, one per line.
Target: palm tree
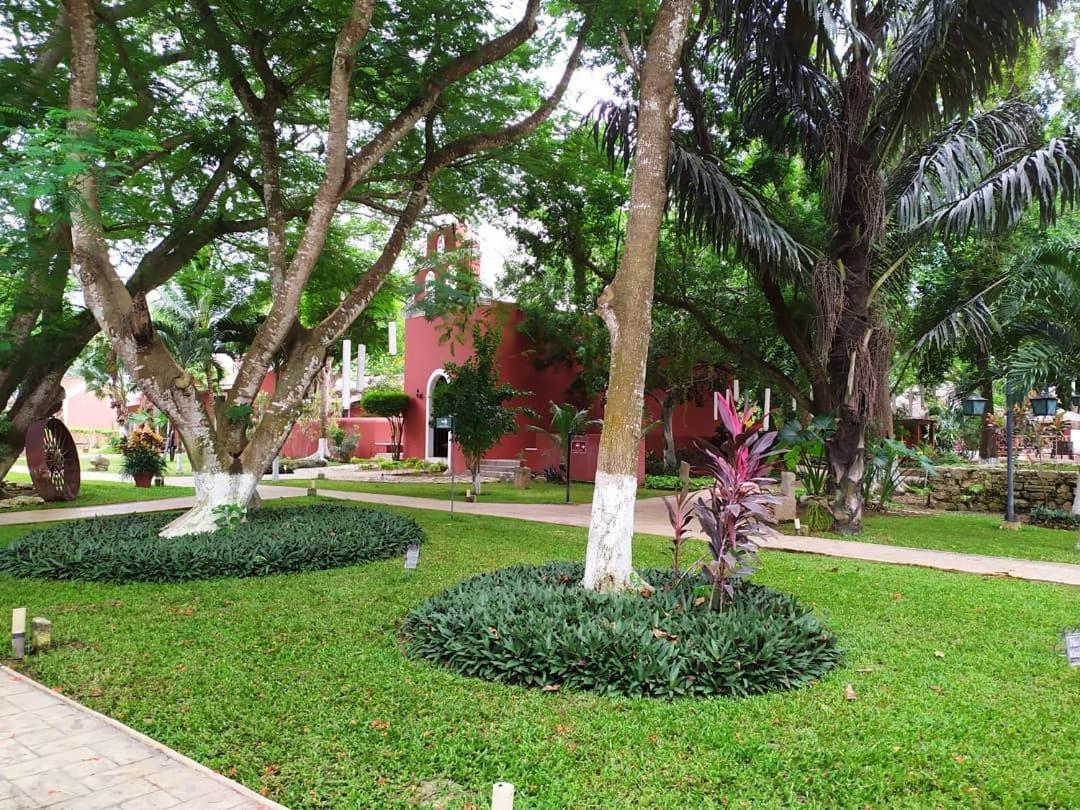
<point x="566" y="422"/>
<point x="882" y="103"/>
<point x="1041" y="310"/>
<point x="192" y="315"/>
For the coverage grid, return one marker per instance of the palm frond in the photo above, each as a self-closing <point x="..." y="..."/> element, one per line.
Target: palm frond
<point x="1038" y="363"/>
<point x="957" y="159"/>
<point x="971" y="318"/>
<point x="1048" y="176"/>
<point x="779" y="58"/>
<point x="947" y="54"/>
<point x="718" y="208"/>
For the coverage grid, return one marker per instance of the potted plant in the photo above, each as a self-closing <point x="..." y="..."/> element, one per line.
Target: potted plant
<point x="143" y="454"/>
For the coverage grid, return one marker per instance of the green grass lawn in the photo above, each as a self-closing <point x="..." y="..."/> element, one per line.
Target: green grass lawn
<point x="295" y="685"/>
<point x="972" y="533"/>
<point x="98" y="493"/>
<point x="496" y="492"/>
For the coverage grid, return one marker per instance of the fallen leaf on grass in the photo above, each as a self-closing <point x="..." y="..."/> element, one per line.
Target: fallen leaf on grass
<point x="849" y="693"/>
<point x="864" y="669"/>
<point x="937" y="689"/>
<point x="550" y="687"/>
<point x="380" y="725"/>
<point x="939" y="654"/>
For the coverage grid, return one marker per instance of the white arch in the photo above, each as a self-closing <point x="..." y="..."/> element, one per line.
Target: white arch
<point x="429" y="431"/>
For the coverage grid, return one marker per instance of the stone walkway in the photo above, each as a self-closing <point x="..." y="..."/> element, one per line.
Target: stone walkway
<point x="650" y="517"/>
<point x="57" y="753"/>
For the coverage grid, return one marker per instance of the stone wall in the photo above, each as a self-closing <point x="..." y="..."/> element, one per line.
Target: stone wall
<point x="982" y="489"/>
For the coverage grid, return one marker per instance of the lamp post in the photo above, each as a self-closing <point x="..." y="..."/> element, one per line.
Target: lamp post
<point x="974" y="405"/>
<point x="1010" y="465"/>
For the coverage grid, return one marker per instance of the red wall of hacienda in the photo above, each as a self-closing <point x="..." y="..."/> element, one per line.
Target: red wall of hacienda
<point x="427" y="350"/>
<point x="373" y="432"/>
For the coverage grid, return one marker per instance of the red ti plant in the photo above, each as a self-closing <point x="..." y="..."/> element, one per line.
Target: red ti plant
<point x="680" y="512"/>
<point x="735" y="511"/>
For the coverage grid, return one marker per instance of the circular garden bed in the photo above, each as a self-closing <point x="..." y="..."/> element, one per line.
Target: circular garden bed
<point x="536" y="627"/>
<point x="270" y="541"/>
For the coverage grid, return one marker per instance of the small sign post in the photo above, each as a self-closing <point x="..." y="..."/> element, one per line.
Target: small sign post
<point x="412" y="556"/>
<point x="1072" y="648"/>
<point x="447" y="423"/>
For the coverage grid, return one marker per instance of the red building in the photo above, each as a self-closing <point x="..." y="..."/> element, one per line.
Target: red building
<point x="427" y="352"/>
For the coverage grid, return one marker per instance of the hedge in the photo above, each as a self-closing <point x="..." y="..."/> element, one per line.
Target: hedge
<point x="536" y="627"/>
<point x="1054" y="518"/>
<point x="271" y="541"/>
<point x="673" y="482"/>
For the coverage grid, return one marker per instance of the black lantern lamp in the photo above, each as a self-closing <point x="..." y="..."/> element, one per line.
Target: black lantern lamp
<point x="974" y="405"/>
<point x="1076" y="402"/>
<point x="1045" y="404"/>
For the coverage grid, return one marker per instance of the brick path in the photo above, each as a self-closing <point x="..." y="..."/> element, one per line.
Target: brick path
<point x="56" y="753"/>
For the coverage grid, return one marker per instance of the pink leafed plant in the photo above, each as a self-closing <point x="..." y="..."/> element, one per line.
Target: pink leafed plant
<point x="735" y="511"/>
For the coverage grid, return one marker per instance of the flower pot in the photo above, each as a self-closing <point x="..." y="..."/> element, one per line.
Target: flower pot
<point x="143" y="479"/>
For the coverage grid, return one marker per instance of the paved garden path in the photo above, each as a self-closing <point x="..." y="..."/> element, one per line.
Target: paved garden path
<point x="650" y="517"/>
<point x="57" y="753"/>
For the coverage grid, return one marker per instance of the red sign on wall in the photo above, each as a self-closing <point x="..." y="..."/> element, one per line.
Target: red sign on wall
<point x="578" y="446"/>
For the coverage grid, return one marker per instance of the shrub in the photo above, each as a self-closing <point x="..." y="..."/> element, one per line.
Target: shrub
<point x="391" y="404"/>
<point x="304" y="463"/>
<point x="1054" y="518"/>
<point x="536" y="626"/>
<point x="271" y="541"/>
<point x="672" y="482"/>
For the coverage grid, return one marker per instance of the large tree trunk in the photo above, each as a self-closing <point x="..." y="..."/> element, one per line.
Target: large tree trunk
<point x="214" y="490"/>
<point x="38" y="401"/>
<point x="626" y="308"/>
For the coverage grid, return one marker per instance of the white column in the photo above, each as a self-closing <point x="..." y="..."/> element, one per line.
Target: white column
<point x="361" y="366"/>
<point x="735" y="391"/>
<point x="391" y="337"/>
<point x="346" y="374"/>
<point x="768" y="404"/>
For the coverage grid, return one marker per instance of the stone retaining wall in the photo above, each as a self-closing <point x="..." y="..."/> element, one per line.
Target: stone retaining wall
<point x="982" y="489"/>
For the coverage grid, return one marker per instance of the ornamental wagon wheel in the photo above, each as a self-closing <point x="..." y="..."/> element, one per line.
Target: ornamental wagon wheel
<point x="53" y="460"/>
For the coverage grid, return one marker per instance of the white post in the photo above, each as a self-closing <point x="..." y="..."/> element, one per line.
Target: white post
<point x="361" y="366"/>
<point x="391" y="337"/>
<point x="180" y="463"/>
<point x="346" y="375"/>
<point x="715" y="406"/>
<point x="768" y="404"/>
<point x="276" y="467"/>
<point x="18" y="632"/>
<point x="502" y="796"/>
<point x="735" y="391"/>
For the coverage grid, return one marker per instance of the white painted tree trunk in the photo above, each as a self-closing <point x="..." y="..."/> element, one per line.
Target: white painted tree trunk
<point x="1076" y="496"/>
<point x="211" y="491"/>
<point x="626" y="309"/>
<point x="611" y="523"/>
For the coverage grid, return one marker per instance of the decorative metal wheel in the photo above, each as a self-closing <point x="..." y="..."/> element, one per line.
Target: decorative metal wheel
<point x="53" y="460"/>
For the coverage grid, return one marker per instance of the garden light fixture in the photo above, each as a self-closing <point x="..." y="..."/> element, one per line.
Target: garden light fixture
<point x="974" y="405"/>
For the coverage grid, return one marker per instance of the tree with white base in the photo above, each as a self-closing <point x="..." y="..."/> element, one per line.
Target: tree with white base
<point x="404" y="149"/>
<point x="626" y="309"/>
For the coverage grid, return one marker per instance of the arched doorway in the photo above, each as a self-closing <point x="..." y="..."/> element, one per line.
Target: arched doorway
<point x="437" y="445"/>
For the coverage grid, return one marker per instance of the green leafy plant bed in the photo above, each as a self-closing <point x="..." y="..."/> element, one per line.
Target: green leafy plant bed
<point x="535" y="626"/>
<point x="277" y="541"/>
